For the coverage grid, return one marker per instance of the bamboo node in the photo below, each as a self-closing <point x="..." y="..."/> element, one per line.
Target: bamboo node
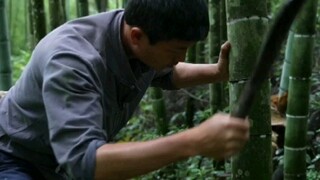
<point x="252" y="18"/>
<point x="304" y="35"/>
<point x="242" y="81"/>
<point x="263" y="136"/>
<point x="295" y="149"/>
<point x="296" y="117"/>
<point x="300" y="78"/>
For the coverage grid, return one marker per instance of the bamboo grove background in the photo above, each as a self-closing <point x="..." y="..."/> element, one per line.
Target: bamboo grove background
<point x="293" y="86"/>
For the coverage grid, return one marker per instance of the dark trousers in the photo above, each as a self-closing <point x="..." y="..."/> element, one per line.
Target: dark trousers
<point x="12" y="168"/>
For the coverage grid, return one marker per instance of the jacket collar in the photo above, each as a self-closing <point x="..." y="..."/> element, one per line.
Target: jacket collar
<point x="117" y="60"/>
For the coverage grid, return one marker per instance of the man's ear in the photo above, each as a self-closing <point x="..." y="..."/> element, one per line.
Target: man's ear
<point x="136" y="35"/>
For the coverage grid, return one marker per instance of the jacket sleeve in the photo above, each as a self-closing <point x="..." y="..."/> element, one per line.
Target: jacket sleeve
<point x="163" y="79"/>
<point x="75" y="115"/>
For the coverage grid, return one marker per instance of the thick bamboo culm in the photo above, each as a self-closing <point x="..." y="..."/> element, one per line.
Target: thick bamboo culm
<point x="247" y="22"/>
<point x="299" y="91"/>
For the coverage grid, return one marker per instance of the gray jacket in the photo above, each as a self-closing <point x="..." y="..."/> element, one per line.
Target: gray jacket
<point x="78" y="90"/>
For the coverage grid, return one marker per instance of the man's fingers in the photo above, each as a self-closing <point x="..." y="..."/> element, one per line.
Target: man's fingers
<point x="225" y="48"/>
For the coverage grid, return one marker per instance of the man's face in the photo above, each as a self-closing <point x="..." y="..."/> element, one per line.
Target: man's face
<point x="164" y="54"/>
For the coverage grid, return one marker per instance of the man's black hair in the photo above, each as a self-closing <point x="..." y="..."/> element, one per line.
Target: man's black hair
<point x="164" y="20"/>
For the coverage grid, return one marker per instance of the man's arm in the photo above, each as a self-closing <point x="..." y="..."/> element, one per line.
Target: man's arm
<point x="186" y="74"/>
<point x="219" y="137"/>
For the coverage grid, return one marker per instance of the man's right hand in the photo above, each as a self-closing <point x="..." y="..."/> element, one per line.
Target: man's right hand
<point x="220" y="136"/>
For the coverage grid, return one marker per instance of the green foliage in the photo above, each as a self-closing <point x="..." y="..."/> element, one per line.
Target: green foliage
<point x="18" y="22"/>
<point x="315" y="90"/>
<point x="275" y="5"/>
<point x="19" y="62"/>
<point x="313" y="175"/>
<point x="190" y="169"/>
<point x="18" y="25"/>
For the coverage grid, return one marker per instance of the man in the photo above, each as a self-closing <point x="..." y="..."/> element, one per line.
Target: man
<point x="84" y="81"/>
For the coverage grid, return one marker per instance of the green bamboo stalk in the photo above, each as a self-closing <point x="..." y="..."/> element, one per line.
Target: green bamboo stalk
<point x="267" y="55"/>
<point x="190" y="106"/>
<point x="67" y="7"/>
<point x="26" y="24"/>
<point x="82" y="8"/>
<point x="223" y="22"/>
<point x="124" y="3"/>
<point x="223" y="39"/>
<point x="10" y="18"/>
<point x="117" y="3"/>
<point x="200" y="52"/>
<point x="63" y="10"/>
<point x="247" y="23"/>
<point x="57" y="13"/>
<point x="159" y="108"/>
<point x="38" y="20"/>
<point x="190" y="111"/>
<point x="216" y="89"/>
<point x="284" y="81"/>
<point x="5" y="66"/>
<point x="101" y="5"/>
<point x="299" y="90"/>
<point x="192" y="54"/>
<point x="31" y="36"/>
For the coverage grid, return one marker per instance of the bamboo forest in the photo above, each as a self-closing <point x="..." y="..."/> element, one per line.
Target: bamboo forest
<point x="284" y="109"/>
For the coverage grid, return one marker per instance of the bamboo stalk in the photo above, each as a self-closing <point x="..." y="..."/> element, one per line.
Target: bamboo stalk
<point x="5" y="65"/>
<point x="268" y="53"/>
<point x="159" y="108"/>
<point x="299" y="90"/>
<point x="82" y="8"/>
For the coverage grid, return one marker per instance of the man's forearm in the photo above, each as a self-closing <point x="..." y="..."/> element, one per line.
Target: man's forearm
<point x="187" y="75"/>
<point x="218" y="137"/>
<point x="127" y="160"/>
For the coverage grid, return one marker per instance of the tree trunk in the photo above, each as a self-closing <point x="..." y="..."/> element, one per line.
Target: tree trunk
<point x="247" y="23"/>
<point x="5" y="66"/>
<point x="299" y="89"/>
